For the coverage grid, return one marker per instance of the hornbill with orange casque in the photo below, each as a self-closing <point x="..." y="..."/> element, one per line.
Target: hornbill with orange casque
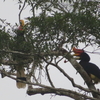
<point x="20" y="68"/>
<point x="92" y="70"/>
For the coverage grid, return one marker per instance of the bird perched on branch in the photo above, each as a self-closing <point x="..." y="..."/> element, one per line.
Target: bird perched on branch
<point x="20" y="47"/>
<point x="21" y="29"/>
<point x="92" y="70"/>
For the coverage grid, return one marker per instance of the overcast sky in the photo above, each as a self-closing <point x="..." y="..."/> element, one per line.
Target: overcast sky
<point x="8" y="90"/>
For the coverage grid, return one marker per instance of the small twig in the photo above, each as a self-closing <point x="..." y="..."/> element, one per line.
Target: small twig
<point x="59" y="60"/>
<point x="21" y="10"/>
<point x="32" y="8"/>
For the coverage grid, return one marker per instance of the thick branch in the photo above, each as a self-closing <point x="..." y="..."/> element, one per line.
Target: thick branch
<point x="41" y="54"/>
<point x="14" y="52"/>
<point x="9" y="62"/>
<point x="59" y="91"/>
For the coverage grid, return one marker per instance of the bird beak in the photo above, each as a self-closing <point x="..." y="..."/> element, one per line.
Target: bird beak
<point x="77" y="53"/>
<point x="76" y="56"/>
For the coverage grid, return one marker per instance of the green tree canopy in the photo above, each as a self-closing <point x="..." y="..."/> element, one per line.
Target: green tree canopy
<point x="48" y="39"/>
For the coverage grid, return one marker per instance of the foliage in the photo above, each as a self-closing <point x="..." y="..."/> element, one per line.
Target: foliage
<point x="56" y="26"/>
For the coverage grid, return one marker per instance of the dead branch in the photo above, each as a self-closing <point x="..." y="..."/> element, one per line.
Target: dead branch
<point x="59" y="91"/>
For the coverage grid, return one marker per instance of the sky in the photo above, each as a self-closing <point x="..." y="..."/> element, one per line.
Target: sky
<point x="8" y="91"/>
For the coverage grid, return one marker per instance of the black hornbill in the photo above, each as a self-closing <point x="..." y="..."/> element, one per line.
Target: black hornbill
<point x="92" y="70"/>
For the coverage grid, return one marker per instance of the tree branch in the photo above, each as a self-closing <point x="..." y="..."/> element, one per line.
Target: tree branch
<point x="49" y="75"/>
<point x="21" y="10"/>
<point x="59" y="91"/>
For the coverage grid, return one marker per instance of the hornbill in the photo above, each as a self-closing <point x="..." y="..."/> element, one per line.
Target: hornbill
<point x="20" y="68"/>
<point x="21" y="29"/>
<point x="92" y="70"/>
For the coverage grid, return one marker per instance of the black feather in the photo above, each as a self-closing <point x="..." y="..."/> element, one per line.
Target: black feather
<point x="90" y="68"/>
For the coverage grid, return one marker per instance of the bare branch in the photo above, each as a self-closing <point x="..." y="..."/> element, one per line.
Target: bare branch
<point x="59" y="91"/>
<point x="21" y="10"/>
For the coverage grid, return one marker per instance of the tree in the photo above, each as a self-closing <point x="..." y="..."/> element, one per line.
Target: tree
<point x="48" y="40"/>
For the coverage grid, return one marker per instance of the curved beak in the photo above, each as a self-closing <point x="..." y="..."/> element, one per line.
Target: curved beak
<point x="77" y="52"/>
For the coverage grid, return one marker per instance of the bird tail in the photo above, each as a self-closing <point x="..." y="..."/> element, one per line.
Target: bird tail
<point x="21" y="76"/>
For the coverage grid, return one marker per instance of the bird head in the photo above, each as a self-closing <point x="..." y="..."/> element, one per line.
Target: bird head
<point x="77" y="52"/>
<point x="22" y="23"/>
<point x="81" y="55"/>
